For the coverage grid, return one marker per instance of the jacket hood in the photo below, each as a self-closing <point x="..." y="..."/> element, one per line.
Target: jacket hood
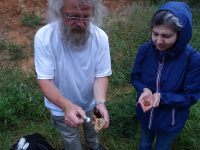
<point x="183" y="12"/>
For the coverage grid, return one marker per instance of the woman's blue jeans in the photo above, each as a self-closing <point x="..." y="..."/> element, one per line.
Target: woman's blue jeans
<point x="163" y="139"/>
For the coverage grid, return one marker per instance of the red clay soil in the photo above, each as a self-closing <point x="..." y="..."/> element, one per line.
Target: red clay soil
<point x="13" y="31"/>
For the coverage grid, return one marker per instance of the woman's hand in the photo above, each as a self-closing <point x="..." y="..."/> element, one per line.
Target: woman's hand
<point x="145" y="100"/>
<point x="156" y="99"/>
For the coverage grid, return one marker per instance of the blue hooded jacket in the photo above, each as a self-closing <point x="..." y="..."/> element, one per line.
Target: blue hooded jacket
<point x="179" y="75"/>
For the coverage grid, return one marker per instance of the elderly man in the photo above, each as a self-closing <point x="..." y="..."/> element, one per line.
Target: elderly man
<point x="72" y="61"/>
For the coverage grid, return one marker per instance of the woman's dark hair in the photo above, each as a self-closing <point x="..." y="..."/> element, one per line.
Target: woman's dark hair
<point x="166" y="18"/>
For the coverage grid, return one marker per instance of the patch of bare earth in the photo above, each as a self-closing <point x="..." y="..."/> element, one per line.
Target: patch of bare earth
<point x="12" y="30"/>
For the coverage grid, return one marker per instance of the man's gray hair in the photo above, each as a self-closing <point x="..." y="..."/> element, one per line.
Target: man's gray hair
<point x="166" y="18"/>
<point x="55" y="7"/>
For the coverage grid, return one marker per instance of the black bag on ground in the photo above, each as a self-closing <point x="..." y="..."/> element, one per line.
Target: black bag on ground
<point x="36" y="142"/>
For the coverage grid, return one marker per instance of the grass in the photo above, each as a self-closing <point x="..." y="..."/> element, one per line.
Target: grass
<point x="21" y="107"/>
<point x="126" y="33"/>
<point x="18" y="99"/>
<point x="189" y="138"/>
<point x="10" y="51"/>
<point x="196" y="29"/>
<point x="30" y="19"/>
<point x="21" y="102"/>
<point x="123" y="132"/>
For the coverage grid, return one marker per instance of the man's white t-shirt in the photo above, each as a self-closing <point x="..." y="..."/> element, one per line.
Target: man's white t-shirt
<point x="73" y="70"/>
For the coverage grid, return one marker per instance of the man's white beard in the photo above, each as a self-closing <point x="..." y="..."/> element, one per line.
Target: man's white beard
<point x="77" y="37"/>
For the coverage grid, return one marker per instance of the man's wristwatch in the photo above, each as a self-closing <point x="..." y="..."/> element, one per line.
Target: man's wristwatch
<point x="102" y="101"/>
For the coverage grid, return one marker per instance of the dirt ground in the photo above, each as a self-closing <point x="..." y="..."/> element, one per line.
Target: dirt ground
<point x="12" y="30"/>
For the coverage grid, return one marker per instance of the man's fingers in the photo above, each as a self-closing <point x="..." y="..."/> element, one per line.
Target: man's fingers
<point x="106" y="119"/>
<point x="70" y="123"/>
<point x="81" y="113"/>
<point x="104" y="114"/>
<point x="74" y="119"/>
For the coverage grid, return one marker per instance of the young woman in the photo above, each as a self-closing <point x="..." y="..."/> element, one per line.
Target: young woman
<point x="166" y="76"/>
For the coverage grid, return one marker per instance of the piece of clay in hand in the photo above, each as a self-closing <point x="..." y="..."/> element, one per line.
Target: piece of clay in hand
<point x="99" y="123"/>
<point x="146" y="103"/>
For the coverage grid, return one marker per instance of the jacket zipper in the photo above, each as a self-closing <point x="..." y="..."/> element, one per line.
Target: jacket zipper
<point x="160" y="67"/>
<point x="173" y="116"/>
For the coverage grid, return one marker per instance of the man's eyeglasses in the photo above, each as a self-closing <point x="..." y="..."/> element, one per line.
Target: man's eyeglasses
<point x="77" y="18"/>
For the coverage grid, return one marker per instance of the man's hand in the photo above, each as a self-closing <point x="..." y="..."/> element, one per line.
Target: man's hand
<point x="74" y="115"/>
<point x="104" y="113"/>
<point x="100" y="93"/>
<point x="145" y="100"/>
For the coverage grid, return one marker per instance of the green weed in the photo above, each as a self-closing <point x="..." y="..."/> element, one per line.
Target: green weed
<point x="31" y="20"/>
<point x="10" y="51"/>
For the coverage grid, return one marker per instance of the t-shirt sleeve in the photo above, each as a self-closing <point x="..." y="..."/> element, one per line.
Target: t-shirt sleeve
<point x="43" y="57"/>
<point x="103" y="60"/>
